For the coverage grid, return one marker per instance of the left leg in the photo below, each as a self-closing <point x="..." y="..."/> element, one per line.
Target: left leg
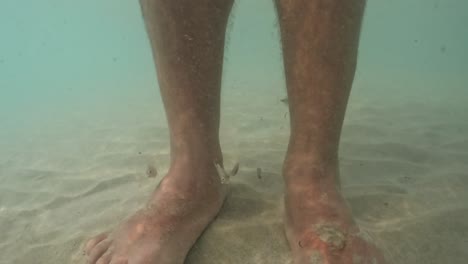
<point x="187" y="38"/>
<point x="320" y="40"/>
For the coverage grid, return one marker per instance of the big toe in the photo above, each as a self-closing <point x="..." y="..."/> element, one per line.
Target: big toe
<point x="98" y="251"/>
<point x="93" y="242"/>
<point x="105" y="258"/>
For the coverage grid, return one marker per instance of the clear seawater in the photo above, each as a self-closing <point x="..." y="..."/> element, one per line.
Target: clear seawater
<point x="72" y="71"/>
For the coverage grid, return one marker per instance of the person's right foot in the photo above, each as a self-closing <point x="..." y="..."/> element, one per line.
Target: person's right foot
<point x="183" y="205"/>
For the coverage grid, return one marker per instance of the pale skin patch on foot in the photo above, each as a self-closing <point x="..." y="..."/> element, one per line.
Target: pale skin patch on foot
<point x="332" y="236"/>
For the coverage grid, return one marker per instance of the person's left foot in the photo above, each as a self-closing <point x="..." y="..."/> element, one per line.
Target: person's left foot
<point x="319" y="225"/>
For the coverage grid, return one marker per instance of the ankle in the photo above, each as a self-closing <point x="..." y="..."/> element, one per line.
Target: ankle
<point x="189" y="175"/>
<point x="302" y="170"/>
<point x="196" y="150"/>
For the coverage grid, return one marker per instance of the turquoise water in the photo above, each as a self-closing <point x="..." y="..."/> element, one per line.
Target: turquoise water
<point x="69" y="66"/>
<point x="84" y="51"/>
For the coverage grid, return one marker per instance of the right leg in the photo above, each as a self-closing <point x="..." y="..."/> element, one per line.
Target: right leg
<point x="187" y="39"/>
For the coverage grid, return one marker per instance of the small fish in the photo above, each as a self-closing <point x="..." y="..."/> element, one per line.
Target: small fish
<point x="222" y="174"/>
<point x="285" y="100"/>
<point x="151" y="171"/>
<point x="235" y="169"/>
<point x="259" y="173"/>
<point x="225" y="177"/>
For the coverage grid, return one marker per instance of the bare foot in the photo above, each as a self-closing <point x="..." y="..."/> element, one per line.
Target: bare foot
<point x="319" y="225"/>
<point x="163" y="232"/>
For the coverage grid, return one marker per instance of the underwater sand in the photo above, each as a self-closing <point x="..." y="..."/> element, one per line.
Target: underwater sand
<point x="404" y="173"/>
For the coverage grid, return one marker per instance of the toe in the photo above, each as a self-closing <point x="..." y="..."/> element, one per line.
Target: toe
<point x="94" y="241"/>
<point x="119" y="261"/>
<point x="105" y="259"/>
<point x="98" y="251"/>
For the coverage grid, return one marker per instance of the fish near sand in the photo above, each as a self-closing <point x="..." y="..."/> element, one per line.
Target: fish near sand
<point x="151" y="171"/>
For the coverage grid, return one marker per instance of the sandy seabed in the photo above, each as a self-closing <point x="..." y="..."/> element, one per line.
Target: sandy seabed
<point x="404" y="173"/>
